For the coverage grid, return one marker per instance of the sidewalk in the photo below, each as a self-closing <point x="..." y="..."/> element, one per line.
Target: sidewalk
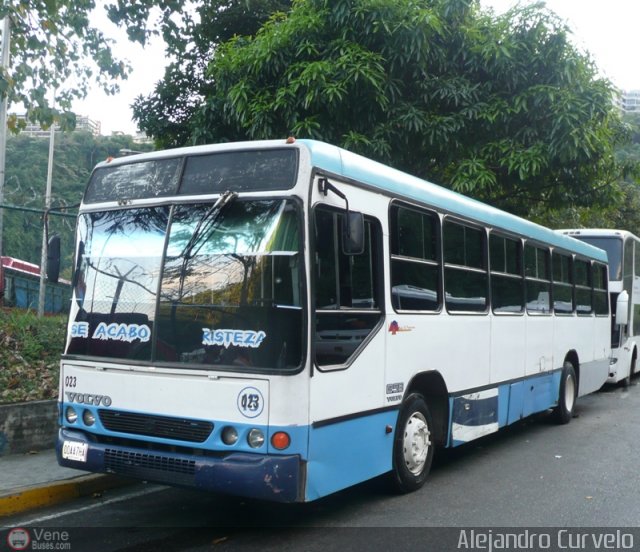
<point x="29" y="481"/>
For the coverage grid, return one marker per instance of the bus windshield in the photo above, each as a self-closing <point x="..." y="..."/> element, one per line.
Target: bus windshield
<point x="613" y="247"/>
<point x="193" y="284"/>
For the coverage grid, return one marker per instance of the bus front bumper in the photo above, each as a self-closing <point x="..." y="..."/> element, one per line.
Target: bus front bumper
<point x="267" y="477"/>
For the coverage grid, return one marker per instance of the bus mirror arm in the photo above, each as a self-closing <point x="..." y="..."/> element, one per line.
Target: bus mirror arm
<point x="353" y="228"/>
<point x="622" y="309"/>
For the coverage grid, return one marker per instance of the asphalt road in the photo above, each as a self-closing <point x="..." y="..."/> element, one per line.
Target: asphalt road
<point x="533" y="475"/>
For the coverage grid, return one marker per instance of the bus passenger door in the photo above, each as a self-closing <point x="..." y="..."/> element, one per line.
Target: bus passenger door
<point x="348" y="352"/>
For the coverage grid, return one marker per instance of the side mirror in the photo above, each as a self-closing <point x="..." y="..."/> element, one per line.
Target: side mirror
<point x="353" y="233"/>
<point x="622" y="309"/>
<point x="53" y="259"/>
<point x="76" y="270"/>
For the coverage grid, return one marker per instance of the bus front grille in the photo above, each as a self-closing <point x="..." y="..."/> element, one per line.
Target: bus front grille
<point x="153" y="467"/>
<point x="180" y="429"/>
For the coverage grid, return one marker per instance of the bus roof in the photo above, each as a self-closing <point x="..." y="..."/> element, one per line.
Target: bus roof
<point x="399" y="184"/>
<point x="340" y="162"/>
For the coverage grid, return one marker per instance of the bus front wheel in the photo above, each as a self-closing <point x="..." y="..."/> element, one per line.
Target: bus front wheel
<point x="568" y="394"/>
<point x="412" y="445"/>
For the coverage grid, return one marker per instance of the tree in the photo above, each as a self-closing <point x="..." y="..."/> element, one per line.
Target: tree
<point x="503" y="108"/>
<point x="54" y="46"/>
<point x="191" y="40"/>
<point x="623" y="210"/>
<point x="75" y="156"/>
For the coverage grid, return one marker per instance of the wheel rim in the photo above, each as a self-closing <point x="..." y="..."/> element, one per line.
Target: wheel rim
<point x="416" y="443"/>
<point x="569" y="393"/>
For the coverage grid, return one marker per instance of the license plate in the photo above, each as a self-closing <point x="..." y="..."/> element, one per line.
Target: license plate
<point x="72" y="450"/>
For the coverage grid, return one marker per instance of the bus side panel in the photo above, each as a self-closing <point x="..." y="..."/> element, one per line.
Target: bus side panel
<point x="508" y="341"/>
<point x="516" y="400"/>
<point x="541" y="393"/>
<point x="589" y="337"/>
<point x="539" y="348"/>
<point x="349" y="452"/>
<point x="481" y="413"/>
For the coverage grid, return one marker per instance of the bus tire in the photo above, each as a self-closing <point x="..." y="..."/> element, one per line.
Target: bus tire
<point x="412" y="445"/>
<point x="626" y="381"/>
<point x="563" y="412"/>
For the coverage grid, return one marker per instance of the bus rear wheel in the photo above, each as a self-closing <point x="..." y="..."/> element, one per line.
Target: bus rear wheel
<point x="568" y="394"/>
<point x="412" y="445"/>
<point x="626" y="382"/>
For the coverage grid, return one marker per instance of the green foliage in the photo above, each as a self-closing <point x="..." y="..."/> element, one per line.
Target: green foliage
<point x="30" y="349"/>
<point x="191" y="39"/>
<point x="503" y="108"/>
<point x="623" y="211"/>
<point x="75" y="155"/>
<point x="54" y="46"/>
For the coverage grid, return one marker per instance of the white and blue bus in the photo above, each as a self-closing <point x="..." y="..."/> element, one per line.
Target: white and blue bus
<point x="623" y="251"/>
<point x="284" y="319"/>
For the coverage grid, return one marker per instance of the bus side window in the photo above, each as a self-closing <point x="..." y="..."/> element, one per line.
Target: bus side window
<point x="347" y="289"/>
<point x="415" y="269"/>
<point x="465" y="268"/>
<point x="584" y="299"/>
<point x="507" y="291"/>
<point x="537" y="278"/>
<point x="562" y="284"/>
<point x="600" y="295"/>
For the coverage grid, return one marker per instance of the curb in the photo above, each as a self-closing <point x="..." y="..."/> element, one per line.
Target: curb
<point x="22" y="499"/>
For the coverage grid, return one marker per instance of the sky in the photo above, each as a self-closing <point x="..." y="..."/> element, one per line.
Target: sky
<point x="608" y="30"/>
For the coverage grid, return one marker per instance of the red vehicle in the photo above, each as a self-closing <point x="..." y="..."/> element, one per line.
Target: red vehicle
<point x="20" y="285"/>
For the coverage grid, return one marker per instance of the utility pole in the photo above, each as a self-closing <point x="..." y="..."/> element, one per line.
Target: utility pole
<point x="4" y="67"/>
<point x="45" y="224"/>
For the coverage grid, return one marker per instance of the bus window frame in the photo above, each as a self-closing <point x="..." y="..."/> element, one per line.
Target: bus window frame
<point x="438" y="263"/>
<point x="549" y="279"/>
<point x="505" y="235"/>
<point x="377" y="242"/>
<point x="485" y="253"/>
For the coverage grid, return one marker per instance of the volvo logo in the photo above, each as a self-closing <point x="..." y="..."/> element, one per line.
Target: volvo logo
<point x="88" y="398"/>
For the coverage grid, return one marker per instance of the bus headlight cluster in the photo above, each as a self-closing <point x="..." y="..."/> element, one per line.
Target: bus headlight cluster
<point x="71" y="415"/>
<point x="88" y="418"/>
<point x="229" y="435"/>
<point x="255" y="438"/>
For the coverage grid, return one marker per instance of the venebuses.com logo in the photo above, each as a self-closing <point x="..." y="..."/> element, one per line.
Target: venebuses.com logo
<point x="20" y="538"/>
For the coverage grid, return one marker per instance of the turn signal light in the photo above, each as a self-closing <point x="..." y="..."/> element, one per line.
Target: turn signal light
<point x="280" y="440"/>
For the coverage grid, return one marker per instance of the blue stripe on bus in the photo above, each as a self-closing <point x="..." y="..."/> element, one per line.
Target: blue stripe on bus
<point x="349" y="452"/>
<point x="341" y="162"/>
<point x="513" y="402"/>
<point x="298" y="434"/>
<point x="475" y="412"/>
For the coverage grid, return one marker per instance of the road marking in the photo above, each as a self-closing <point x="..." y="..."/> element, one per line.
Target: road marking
<point x="114" y="500"/>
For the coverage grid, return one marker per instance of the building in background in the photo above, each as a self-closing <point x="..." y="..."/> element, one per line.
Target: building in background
<point x="83" y="123"/>
<point x="630" y="101"/>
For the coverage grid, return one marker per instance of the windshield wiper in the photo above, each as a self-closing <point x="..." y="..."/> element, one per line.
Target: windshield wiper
<point x="206" y="221"/>
<point x="204" y="224"/>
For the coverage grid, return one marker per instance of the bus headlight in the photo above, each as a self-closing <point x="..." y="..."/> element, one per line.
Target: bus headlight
<point x="229" y="435"/>
<point x="88" y="418"/>
<point x="255" y="438"/>
<point x="71" y="415"/>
